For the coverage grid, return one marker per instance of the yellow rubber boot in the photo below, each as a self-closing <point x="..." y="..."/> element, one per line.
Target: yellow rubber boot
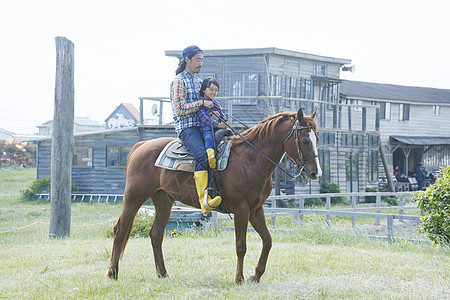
<point x="201" y="182"/>
<point x="211" y="158"/>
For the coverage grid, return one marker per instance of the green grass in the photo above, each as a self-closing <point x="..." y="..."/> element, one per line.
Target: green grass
<point x="309" y="262"/>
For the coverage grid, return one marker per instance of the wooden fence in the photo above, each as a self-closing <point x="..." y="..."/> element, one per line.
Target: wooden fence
<point x="356" y="209"/>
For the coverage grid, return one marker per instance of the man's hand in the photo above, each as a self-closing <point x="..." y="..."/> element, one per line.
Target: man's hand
<point x="221" y="125"/>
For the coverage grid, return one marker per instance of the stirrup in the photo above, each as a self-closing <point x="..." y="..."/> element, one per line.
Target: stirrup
<point x="205" y="202"/>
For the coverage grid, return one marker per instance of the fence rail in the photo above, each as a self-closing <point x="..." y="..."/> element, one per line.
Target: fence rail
<point x="272" y="211"/>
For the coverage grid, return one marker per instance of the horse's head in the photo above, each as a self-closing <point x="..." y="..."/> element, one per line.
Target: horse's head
<point x="301" y="145"/>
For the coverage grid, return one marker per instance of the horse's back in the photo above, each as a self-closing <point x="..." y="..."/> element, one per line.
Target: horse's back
<point x="146" y="152"/>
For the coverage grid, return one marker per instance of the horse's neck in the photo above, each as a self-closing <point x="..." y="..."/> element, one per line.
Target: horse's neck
<point x="273" y="147"/>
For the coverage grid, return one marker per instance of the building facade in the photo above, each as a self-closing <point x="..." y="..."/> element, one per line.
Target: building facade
<point x="413" y="123"/>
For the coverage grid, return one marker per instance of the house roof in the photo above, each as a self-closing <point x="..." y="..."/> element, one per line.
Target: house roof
<point x="422" y="140"/>
<point x="391" y="92"/>
<point x="261" y="51"/>
<point x="130" y="108"/>
<point x="77" y="120"/>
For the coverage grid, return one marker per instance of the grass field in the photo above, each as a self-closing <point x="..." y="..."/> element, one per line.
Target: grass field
<point x="311" y="262"/>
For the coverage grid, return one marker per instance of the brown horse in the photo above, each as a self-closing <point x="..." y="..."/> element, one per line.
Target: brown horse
<point x="245" y="185"/>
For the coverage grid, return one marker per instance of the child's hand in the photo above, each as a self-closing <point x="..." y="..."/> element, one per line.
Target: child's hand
<point x="208" y="103"/>
<point x="221" y="125"/>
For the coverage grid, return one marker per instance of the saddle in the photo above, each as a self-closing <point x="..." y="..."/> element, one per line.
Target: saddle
<point x="177" y="156"/>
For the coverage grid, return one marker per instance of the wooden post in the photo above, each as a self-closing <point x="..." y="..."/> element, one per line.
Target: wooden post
<point x="390" y="228"/>
<point x="62" y="140"/>
<point x="378" y="204"/>
<point x="387" y="171"/>
<point x="327" y="207"/>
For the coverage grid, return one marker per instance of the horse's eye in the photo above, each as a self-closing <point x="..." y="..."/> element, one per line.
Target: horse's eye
<point x="305" y="142"/>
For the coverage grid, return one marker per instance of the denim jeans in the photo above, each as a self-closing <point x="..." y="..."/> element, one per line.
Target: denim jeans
<point x="208" y="137"/>
<point x="193" y="138"/>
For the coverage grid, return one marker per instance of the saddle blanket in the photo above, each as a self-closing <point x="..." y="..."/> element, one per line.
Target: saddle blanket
<point x="176" y="156"/>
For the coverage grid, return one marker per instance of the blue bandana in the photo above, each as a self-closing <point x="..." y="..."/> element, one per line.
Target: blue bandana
<point x="191" y="51"/>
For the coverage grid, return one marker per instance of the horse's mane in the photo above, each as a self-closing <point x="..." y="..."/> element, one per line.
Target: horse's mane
<point x="265" y="128"/>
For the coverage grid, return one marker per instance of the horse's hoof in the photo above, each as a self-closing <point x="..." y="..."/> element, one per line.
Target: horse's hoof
<point x="252" y="279"/>
<point x="112" y="274"/>
<point x="239" y="281"/>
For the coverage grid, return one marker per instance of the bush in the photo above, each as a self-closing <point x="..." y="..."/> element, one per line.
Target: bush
<point x="142" y="225"/>
<point x="371" y="199"/>
<point x="39" y="186"/>
<point x="393" y="201"/>
<point x="435" y="203"/>
<point x="314" y="202"/>
<point x="327" y="188"/>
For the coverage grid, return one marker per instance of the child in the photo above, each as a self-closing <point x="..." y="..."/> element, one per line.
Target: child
<point x="208" y="117"/>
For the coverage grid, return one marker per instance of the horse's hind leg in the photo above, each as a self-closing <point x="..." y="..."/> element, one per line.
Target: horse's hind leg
<point x="258" y="222"/>
<point x="122" y="232"/>
<point x="163" y="205"/>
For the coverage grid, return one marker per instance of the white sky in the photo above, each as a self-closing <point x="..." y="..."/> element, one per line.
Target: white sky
<point x="119" y="45"/>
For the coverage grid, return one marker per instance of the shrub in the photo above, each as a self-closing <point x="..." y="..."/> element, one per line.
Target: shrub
<point x="435" y="203"/>
<point x="393" y="201"/>
<point x="314" y="202"/>
<point x="142" y="225"/>
<point x="38" y="186"/>
<point x="327" y="188"/>
<point x="371" y="199"/>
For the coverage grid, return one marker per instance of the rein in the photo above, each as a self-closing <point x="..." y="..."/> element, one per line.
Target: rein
<point x="294" y="132"/>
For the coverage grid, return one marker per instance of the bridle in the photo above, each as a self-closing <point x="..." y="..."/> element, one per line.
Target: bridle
<point x="295" y="132"/>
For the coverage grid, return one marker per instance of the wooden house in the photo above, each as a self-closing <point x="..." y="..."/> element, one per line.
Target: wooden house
<point x="254" y="83"/>
<point x="125" y="115"/>
<point x="413" y="122"/>
<point x="80" y="124"/>
<point x="100" y="157"/>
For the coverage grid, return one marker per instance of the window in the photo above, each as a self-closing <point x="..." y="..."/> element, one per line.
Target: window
<point x="357" y="108"/>
<point x="349" y="139"/>
<point x="373" y="165"/>
<point x="326" y="138"/>
<point x="320" y="70"/>
<point x="436" y="110"/>
<point x="403" y="112"/>
<point x="305" y="89"/>
<point x="117" y="156"/>
<point x="385" y="110"/>
<point x="291" y="90"/>
<point x="324" y="159"/>
<point x="275" y="85"/>
<point x="244" y="85"/>
<point x="82" y="157"/>
<point x="373" y="140"/>
<point x="351" y="172"/>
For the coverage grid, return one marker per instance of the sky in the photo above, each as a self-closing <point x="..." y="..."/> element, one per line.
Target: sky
<point x="120" y="46"/>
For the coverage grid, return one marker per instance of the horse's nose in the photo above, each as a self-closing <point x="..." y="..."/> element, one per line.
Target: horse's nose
<point x="313" y="175"/>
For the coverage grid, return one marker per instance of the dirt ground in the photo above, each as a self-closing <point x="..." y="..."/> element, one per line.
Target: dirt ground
<point x="404" y="230"/>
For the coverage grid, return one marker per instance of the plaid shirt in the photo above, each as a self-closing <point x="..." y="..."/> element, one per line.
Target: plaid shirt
<point x="184" y="96"/>
<point x="206" y="118"/>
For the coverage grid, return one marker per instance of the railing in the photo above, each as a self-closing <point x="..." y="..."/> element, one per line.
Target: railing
<point x="89" y="198"/>
<point x="271" y="211"/>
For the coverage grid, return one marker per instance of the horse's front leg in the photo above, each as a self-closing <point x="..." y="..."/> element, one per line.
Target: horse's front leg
<point x="258" y="221"/>
<point x="240" y="229"/>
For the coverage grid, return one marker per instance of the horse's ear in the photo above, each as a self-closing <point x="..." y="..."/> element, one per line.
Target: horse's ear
<point x="300" y="115"/>
<point x="313" y="115"/>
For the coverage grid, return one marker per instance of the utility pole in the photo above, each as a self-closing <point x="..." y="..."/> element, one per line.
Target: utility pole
<point x="62" y="140"/>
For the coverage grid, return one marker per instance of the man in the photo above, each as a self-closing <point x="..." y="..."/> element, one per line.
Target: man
<point x="185" y="100"/>
<point x="421" y="175"/>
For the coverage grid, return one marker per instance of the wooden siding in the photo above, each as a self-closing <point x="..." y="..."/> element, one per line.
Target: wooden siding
<point x="99" y="178"/>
